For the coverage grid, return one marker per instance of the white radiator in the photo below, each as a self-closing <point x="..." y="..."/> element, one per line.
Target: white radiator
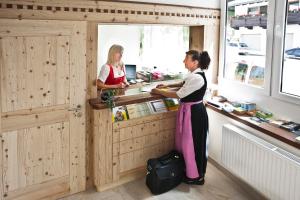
<point x="271" y="170"/>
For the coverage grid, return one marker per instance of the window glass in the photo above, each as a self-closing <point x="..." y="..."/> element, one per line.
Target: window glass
<point x="290" y="81"/>
<point x="245" y="51"/>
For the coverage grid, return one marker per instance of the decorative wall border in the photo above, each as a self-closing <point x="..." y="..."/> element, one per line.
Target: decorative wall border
<point x="103" y="11"/>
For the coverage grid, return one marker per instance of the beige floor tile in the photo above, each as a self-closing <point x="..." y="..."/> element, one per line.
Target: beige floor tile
<point x="217" y="187"/>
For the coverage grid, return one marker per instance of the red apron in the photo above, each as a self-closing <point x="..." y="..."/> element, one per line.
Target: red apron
<point x="111" y="80"/>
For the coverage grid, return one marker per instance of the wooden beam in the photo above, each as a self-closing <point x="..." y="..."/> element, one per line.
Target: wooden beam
<point x="103" y="142"/>
<point x="91" y="59"/>
<point x="78" y="99"/>
<point x="48" y="189"/>
<point x="211" y="45"/>
<point x="197" y="38"/>
<point x="1" y="139"/>
<point x="108" y="12"/>
<point x="13" y="122"/>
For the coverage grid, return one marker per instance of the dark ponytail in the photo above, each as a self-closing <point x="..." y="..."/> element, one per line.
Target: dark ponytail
<point x="203" y="58"/>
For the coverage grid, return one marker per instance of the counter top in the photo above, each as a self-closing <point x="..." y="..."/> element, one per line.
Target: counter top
<point x="125" y="100"/>
<point x="134" y="94"/>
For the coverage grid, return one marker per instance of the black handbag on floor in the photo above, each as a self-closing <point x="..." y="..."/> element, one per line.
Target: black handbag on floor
<point x="165" y="173"/>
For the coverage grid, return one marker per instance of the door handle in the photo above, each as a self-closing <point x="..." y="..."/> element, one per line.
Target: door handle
<point x="76" y="111"/>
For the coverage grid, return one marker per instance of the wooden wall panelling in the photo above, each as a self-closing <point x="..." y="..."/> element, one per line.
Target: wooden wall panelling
<point x="196" y="38"/>
<point x="139" y="159"/>
<point x="36" y="117"/>
<point x="116" y="154"/>
<point x="211" y="44"/>
<point x="116" y="135"/>
<point x="91" y="57"/>
<point x="116" y="168"/>
<point x="126" y="133"/>
<point x="78" y="102"/>
<point x="126" y="162"/>
<point x="168" y="123"/>
<point x="207" y="38"/>
<point x="10" y="28"/>
<point x="126" y="146"/>
<point x="112" y="12"/>
<point x="47" y="190"/>
<point x="103" y="147"/>
<point x="153" y="137"/>
<point x="1" y="146"/>
<point x="94" y="12"/>
<point x="143" y="120"/>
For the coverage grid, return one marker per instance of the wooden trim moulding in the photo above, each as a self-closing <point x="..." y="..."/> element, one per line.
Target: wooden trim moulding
<point x="108" y="12"/>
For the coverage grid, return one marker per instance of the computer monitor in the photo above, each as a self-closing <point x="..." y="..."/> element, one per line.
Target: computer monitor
<point x="130" y="72"/>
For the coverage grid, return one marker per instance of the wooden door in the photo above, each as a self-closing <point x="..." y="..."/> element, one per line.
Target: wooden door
<point x="42" y="105"/>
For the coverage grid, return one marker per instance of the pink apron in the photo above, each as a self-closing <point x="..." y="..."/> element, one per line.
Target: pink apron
<point x="184" y="138"/>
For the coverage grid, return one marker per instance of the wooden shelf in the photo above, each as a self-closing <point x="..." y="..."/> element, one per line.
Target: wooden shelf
<point x="275" y="132"/>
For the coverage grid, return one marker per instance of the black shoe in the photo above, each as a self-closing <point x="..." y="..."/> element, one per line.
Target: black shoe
<point x="193" y="181"/>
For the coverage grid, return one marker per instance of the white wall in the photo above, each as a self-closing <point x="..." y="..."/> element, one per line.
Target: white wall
<point x="163" y="46"/>
<point x="194" y="3"/>
<point x="127" y="36"/>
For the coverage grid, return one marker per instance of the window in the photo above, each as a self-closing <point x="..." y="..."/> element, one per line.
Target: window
<point x="290" y="80"/>
<point x="246" y="42"/>
<point x="146" y="46"/>
<point x="260" y="49"/>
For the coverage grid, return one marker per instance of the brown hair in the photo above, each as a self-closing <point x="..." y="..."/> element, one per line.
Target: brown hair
<point x="203" y="58"/>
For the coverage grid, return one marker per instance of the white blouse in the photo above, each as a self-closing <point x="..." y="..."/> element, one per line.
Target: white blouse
<point x="192" y="82"/>
<point x="105" y="69"/>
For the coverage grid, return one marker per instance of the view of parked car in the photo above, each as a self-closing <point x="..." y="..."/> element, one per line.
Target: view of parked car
<point x="242" y="47"/>
<point x="293" y="53"/>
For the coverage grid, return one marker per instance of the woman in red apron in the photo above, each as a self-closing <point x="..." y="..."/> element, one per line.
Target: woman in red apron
<point x="112" y="74"/>
<point x="192" y="120"/>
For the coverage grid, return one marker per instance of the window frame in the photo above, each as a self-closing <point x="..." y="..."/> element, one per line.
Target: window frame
<point x="244" y="87"/>
<point x="276" y="32"/>
<point x="278" y="52"/>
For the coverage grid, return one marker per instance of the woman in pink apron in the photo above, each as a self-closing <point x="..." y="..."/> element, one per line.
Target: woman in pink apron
<point x="192" y="120"/>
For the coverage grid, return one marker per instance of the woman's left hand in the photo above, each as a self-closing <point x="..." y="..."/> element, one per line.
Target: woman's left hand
<point x="155" y="91"/>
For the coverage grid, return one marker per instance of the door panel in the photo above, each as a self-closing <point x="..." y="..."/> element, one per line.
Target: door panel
<point x="42" y="104"/>
<point x="36" y="72"/>
<point x="35" y="155"/>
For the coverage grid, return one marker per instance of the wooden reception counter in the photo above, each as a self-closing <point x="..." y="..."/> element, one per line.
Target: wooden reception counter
<point x="121" y="149"/>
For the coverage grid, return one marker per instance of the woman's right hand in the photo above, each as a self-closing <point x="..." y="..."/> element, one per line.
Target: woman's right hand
<point x="161" y="86"/>
<point x="121" y="85"/>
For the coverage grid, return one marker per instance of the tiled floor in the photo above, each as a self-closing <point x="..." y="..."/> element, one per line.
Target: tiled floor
<point x="217" y="186"/>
